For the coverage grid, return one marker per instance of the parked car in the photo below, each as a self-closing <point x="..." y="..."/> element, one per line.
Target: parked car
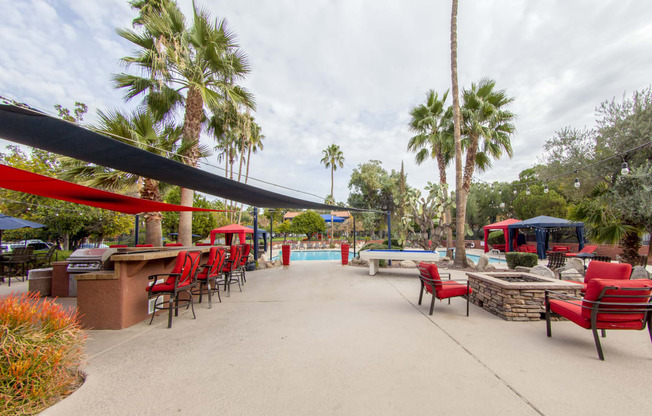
<point x="37" y="244"/>
<point x="93" y="245"/>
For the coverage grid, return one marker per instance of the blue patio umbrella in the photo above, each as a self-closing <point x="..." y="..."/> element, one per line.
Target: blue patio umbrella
<point x="8" y="222"/>
<point x="327" y="218"/>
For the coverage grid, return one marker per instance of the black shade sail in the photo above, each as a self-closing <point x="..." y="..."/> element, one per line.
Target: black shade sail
<point x="33" y="128"/>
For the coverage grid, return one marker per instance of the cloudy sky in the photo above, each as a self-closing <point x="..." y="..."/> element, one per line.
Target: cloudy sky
<point x="348" y="72"/>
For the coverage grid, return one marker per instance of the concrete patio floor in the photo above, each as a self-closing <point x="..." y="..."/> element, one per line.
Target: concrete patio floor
<point x="317" y="338"/>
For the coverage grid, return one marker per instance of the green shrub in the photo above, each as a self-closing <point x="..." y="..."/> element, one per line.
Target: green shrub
<point x="42" y="345"/>
<point x="496" y="237"/>
<point x="382" y="263"/>
<point x="521" y="259"/>
<point x="394" y="243"/>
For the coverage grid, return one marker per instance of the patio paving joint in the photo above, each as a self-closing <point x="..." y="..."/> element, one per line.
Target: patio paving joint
<point x="476" y="358"/>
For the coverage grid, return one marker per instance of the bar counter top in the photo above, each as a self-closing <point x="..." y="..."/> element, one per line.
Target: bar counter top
<point x="155" y="253"/>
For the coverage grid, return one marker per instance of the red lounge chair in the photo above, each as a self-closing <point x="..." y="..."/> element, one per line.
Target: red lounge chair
<point x="586" y="249"/>
<point x="527" y="248"/>
<point x="608" y="304"/>
<point x="207" y="276"/>
<point x="500" y="247"/>
<point x="183" y="278"/>
<point x="562" y="249"/>
<point x="203" y="244"/>
<point x="144" y="245"/>
<point x="603" y="270"/>
<point x="173" y="245"/>
<point x="429" y="275"/>
<point x="118" y="246"/>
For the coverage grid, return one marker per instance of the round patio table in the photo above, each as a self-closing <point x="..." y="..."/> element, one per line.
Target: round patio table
<point x="585" y="256"/>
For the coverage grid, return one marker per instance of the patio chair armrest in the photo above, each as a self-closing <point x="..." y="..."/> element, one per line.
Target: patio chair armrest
<point x="155" y="276"/>
<point x="445" y="274"/>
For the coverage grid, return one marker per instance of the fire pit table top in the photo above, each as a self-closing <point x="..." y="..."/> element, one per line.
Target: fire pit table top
<point x="520" y="280"/>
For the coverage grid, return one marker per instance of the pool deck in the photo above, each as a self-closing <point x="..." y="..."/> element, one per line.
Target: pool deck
<point x="318" y="338"/>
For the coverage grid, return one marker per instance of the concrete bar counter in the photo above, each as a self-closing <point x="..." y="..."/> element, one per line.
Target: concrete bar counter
<point x="117" y="299"/>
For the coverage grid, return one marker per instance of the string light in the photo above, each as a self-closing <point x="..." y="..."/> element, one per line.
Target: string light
<point x="545" y="188"/>
<point x="527" y="191"/>
<point x="625" y="168"/>
<point x="515" y="192"/>
<point x="577" y="181"/>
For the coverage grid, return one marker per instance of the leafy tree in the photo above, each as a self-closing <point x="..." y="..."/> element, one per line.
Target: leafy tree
<point x="619" y="213"/>
<point x="540" y="203"/>
<point x="284" y="228"/>
<point x="372" y="187"/>
<point x="80" y="110"/>
<point x="308" y="223"/>
<point x="203" y="223"/>
<point x="202" y="61"/>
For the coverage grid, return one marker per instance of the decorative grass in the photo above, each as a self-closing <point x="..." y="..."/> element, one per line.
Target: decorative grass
<point x="41" y="350"/>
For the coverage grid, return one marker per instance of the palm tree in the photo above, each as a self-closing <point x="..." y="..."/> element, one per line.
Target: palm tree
<point x="460" y="258"/>
<point x="333" y="157"/>
<point x="433" y="121"/>
<point x="487" y="127"/>
<point x="139" y="130"/>
<point x="202" y="61"/>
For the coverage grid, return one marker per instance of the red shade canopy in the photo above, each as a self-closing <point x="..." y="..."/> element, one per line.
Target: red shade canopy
<point x="229" y="230"/>
<point x="501" y="225"/>
<point x="35" y="184"/>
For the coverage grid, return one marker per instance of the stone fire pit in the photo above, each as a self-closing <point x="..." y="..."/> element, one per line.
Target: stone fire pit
<point x="515" y="296"/>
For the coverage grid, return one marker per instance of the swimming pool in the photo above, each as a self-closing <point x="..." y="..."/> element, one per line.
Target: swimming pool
<point x="316" y="255"/>
<point x="310" y="255"/>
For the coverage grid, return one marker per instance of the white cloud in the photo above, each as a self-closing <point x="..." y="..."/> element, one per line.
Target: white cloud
<point x="347" y="72"/>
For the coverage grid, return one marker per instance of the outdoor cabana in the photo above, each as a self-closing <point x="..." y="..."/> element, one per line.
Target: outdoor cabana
<point x="498" y="226"/>
<point x="543" y="226"/>
<point x="229" y="231"/>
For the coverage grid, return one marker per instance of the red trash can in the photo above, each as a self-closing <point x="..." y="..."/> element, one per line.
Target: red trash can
<point x="345" y="254"/>
<point x="286" y="254"/>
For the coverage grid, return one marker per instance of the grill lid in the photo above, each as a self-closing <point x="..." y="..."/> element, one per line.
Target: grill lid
<point x="90" y="259"/>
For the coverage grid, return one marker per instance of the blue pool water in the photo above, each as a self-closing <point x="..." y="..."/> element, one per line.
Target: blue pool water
<point x="316" y="255"/>
<point x="336" y="255"/>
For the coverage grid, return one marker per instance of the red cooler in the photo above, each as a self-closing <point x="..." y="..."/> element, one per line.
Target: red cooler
<point x="345" y="254"/>
<point x="286" y="254"/>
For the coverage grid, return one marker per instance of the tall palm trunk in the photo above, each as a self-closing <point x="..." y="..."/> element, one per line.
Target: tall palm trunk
<point x="460" y="198"/>
<point x="191" y="131"/>
<point x="153" y="232"/>
<point x="448" y="216"/>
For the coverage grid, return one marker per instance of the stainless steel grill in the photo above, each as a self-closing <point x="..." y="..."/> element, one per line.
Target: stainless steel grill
<point x="90" y="259"/>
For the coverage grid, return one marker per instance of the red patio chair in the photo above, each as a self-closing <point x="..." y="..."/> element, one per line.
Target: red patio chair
<point x="183" y="278"/>
<point x="230" y="270"/>
<point x="118" y="246"/>
<point x="209" y="272"/>
<point x="562" y="249"/>
<point x="246" y="249"/>
<point x="604" y="270"/>
<point x="144" y="245"/>
<point x="173" y="245"/>
<point x="608" y="304"/>
<point x="430" y="278"/>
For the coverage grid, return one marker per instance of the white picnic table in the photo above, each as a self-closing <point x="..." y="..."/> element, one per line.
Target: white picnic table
<point x="374" y="257"/>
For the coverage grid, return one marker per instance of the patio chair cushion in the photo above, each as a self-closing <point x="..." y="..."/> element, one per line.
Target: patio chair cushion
<point x="216" y="254"/>
<point x="167" y="287"/>
<point x="234" y="259"/>
<point x="573" y="312"/>
<point x="452" y="289"/>
<point x="604" y="270"/>
<point x="595" y="288"/>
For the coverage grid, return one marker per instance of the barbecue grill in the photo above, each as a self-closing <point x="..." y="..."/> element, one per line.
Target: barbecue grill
<point x="87" y="260"/>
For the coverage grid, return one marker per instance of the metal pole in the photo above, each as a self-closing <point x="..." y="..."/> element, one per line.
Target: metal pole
<point x="353" y="215"/>
<point x="255" y="247"/>
<point x="136" y="230"/>
<point x="389" y="233"/>
<point x="271" y="234"/>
